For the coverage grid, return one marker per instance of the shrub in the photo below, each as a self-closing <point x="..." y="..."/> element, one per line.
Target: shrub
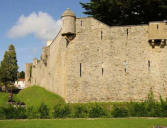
<point x="43" y="111"/>
<point x="2" y="113"/>
<point x="61" y="111"/>
<point x="97" y="111"/>
<point x="16" y="112"/>
<point x="136" y="109"/>
<point x="81" y="111"/>
<point x="163" y="107"/>
<point x="10" y="112"/>
<point x="120" y="111"/>
<point x="32" y="113"/>
<point x="20" y="113"/>
<point x="147" y="108"/>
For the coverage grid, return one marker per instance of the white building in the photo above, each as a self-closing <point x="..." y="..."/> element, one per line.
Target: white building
<point x="20" y="83"/>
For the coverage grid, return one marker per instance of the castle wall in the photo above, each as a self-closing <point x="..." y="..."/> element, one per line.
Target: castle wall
<point x="112" y="53"/>
<point x="104" y="64"/>
<point x="51" y="76"/>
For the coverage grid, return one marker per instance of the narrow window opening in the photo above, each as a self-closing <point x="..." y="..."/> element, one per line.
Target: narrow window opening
<point x="81" y="22"/>
<point x="127" y="31"/>
<point x="125" y="66"/>
<point x="80" y="69"/>
<point x="101" y="35"/>
<point x="157" y="26"/>
<point x="102" y="71"/>
<point x="149" y="65"/>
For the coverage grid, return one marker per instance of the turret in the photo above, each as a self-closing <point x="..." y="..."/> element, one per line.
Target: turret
<point x="28" y="73"/>
<point x="45" y="54"/>
<point x="68" y="24"/>
<point x="35" y="62"/>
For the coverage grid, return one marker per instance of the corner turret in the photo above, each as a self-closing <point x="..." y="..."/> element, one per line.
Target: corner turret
<point x="68" y="24"/>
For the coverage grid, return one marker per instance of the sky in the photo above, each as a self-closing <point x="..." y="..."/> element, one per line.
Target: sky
<point x="28" y="24"/>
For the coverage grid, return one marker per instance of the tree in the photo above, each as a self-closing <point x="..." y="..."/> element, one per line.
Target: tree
<point x="9" y="67"/>
<point x="126" y="12"/>
<point x="1" y="84"/>
<point x="21" y="75"/>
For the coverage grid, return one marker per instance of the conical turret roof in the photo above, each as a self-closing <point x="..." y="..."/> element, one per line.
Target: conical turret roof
<point x="68" y="12"/>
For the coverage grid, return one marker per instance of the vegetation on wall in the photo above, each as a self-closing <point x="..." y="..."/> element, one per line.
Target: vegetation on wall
<point x="126" y="12"/>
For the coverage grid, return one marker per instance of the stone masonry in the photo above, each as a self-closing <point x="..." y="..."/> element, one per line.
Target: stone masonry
<point x="89" y="61"/>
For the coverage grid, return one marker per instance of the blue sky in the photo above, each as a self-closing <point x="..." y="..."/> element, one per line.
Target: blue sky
<point x="25" y="23"/>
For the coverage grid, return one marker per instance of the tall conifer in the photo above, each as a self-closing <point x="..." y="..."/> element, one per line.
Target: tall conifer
<point x="9" y="67"/>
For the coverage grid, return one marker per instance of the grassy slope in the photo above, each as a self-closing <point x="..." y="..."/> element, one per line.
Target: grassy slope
<point x="84" y="123"/>
<point x="34" y="96"/>
<point x="3" y="98"/>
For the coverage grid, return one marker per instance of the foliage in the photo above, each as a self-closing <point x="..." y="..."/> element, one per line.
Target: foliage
<point x="11" y="112"/>
<point x="21" y="75"/>
<point x="126" y="12"/>
<point x="2" y="114"/>
<point x="163" y="107"/>
<point x="97" y="111"/>
<point x="119" y="111"/>
<point x="148" y="108"/>
<point x="81" y="111"/>
<point x="3" y="98"/>
<point x="137" y="109"/>
<point x="9" y="67"/>
<point x="61" y="111"/>
<point x="43" y="111"/>
<point x="32" y="113"/>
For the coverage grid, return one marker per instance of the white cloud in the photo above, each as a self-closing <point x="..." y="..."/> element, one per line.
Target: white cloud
<point x="40" y="24"/>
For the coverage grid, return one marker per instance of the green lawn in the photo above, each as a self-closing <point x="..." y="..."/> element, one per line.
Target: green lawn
<point x="84" y="123"/>
<point x="35" y="95"/>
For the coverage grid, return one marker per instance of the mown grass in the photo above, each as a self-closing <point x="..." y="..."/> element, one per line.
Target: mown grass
<point x="85" y="123"/>
<point x="3" y="98"/>
<point x="35" y="96"/>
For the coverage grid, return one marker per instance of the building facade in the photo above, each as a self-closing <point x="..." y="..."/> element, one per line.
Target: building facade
<point x="89" y="61"/>
<point x="20" y="83"/>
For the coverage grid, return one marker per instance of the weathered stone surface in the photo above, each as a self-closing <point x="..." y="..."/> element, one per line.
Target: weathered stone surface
<point x="104" y="63"/>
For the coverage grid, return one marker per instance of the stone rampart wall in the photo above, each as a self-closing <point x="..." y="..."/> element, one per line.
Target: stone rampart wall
<point x="104" y="64"/>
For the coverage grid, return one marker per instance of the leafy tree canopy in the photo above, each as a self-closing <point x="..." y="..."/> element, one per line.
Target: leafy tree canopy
<point x="21" y="75"/>
<point x="126" y="12"/>
<point x="9" y="67"/>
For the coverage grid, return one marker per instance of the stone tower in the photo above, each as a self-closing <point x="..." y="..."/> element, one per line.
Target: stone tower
<point x="28" y="73"/>
<point x="68" y="24"/>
